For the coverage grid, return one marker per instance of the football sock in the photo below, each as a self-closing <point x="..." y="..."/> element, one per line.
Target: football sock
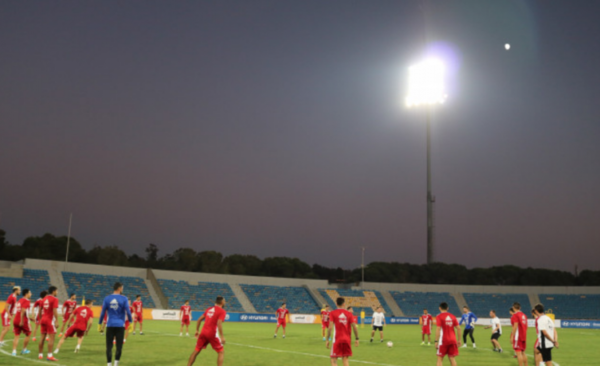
<point x="49" y="355"/>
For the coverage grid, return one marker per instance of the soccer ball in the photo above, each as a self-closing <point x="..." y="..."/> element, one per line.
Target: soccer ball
<point x="390" y="344"/>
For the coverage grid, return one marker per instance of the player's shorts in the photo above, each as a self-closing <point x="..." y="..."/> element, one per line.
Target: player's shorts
<point x="546" y="354"/>
<point x="47" y="327"/>
<point x="5" y="319"/>
<point x="126" y="325"/>
<point x="426" y="330"/>
<point x="185" y="320"/>
<point x="519" y="346"/>
<point x="138" y="318"/>
<point x="74" y="331"/>
<point x="281" y="322"/>
<point x="496" y="336"/>
<point x="38" y="320"/>
<point x="450" y="350"/>
<point x="25" y="329"/>
<point x="66" y="317"/>
<point x="325" y="325"/>
<point x="204" y="340"/>
<point x="379" y="328"/>
<point x="341" y="349"/>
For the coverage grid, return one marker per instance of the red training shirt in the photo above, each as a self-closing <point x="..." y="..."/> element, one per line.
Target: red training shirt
<point x="11" y="301"/>
<point x="325" y="316"/>
<point x="342" y="325"/>
<point x="24" y="303"/>
<point x="281" y="313"/>
<point x="138" y="306"/>
<point x="70" y="307"/>
<point x="82" y="314"/>
<point x="48" y="305"/>
<point x="211" y="316"/>
<point x="446" y="322"/>
<point x="521" y="319"/>
<point x="186" y="310"/>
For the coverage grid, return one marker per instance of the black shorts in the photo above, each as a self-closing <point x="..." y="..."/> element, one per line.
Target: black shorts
<point x="496" y="336"/>
<point x="546" y="354"/>
<point x="378" y="328"/>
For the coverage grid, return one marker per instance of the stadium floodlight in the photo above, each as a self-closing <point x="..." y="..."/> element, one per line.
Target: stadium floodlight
<point x="426" y="83"/>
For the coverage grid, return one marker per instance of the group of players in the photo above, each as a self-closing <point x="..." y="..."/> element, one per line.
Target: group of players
<point x="44" y="315"/>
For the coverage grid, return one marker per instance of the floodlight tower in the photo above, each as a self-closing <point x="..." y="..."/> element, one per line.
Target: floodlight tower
<point x="426" y="88"/>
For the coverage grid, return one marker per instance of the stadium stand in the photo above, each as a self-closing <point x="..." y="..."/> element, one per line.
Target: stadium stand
<point x="360" y="300"/>
<point x="267" y="299"/>
<point x="413" y="303"/>
<point x="97" y="287"/>
<point x="481" y="304"/>
<point x="34" y="279"/>
<point x="572" y="306"/>
<point x="201" y="296"/>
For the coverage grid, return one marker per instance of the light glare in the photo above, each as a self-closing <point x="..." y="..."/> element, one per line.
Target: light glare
<point x="426" y="83"/>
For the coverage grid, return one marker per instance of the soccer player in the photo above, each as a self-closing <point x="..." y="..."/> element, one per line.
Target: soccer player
<point x="281" y="319"/>
<point x="496" y="331"/>
<point x="184" y="313"/>
<point x="8" y="312"/>
<point x="127" y="323"/>
<point x="378" y="323"/>
<point x="21" y="322"/>
<point x="537" y="356"/>
<point x="354" y="317"/>
<point x="546" y="335"/>
<point x="48" y="322"/>
<point x="68" y="308"/>
<point x="447" y="336"/>
<point x="469" y="319"/>
<point x="212" y="331"/>
<point x="117" y="307"/>
<point x="341" y="322"/>
<point x="425" y="321"/>
<point x="325" y="319"/>
<point x="139" y="312"/>
<point x="82" y="318"/>
<point x="518" y="336"/>
<point x="38" y="305"/>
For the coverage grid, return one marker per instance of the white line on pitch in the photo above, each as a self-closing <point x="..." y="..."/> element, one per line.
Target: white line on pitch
<point x="27" y="359"/>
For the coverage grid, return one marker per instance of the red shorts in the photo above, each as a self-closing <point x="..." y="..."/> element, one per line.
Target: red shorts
<point x="38" y="320"/>
<point x="66" y="317"/>
<point x="5" y="319"/>
<point x="73" y="331"/>
<point x="519" y="346"/>
<point x="47" y="327"/>
<point x="25" y="329"/>
<point x="450" y="350"/>
<point x="126" y="325"/>
<point x="341" y="349"/>
<point x="325" y="325"/>
<point x="204" y="340"/>
<point x="185" y="320"/>
<point x="426" y="330"/>
<point x="281" y="322"/>
<point x="138" y="318"/>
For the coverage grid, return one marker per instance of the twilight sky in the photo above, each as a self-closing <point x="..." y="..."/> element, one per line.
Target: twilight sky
<point x="277" y="128"/>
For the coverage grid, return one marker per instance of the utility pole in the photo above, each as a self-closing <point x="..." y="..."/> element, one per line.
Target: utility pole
<point x="69" y="238"/>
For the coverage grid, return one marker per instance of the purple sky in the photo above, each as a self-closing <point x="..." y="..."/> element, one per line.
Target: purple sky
<point x="276" y="128"/>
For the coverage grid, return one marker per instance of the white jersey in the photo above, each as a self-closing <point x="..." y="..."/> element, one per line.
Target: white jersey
<point x="496" y="323"/>
<point x="545" y="323"/>
<point x="378" y="319"/>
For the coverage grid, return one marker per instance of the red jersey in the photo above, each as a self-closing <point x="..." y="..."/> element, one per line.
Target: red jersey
<point x="82" y="314"/>
<point x="342" y="323"/>
<point x="11" y="302"/>
<point x="446" y="322"/>
<point x="38" y="305"/>
<point x="186" y="310"/>
<point x="281" y="313"/>
<point x="48" y="305"/>
<point x="521" y="319"/>
<point x="211" y="316"/>
<point x="426" y="320"/>
<point x="22" y="304"/>
<point x="325" y="316"/>
<point x="69" y="307"/>
<point x="138" y="306"/>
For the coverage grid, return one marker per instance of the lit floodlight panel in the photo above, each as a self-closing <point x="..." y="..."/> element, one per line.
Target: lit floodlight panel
<point x="426" y="83"/>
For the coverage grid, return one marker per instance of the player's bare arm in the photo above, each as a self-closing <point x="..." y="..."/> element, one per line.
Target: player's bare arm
<point x="200" y="319"/>
<point x="355" y="329"/>
<point x="23" y="316"/>
<point x="457" y="335"/>
<point x="437" y="336"/>
<point x="220" y="328"/>
<point x="328" y="335"/>
<point x="514" y="331"/>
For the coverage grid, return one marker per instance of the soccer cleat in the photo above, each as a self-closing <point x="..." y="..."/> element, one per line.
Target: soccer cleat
<point x="52" y="359"/>
<point x="324" y="338"/>
<point x="56" y="350"/>
<point x="371" y="340"/>
<point x="14" y="353"/>
<point x="500" y="350"/>
<point x="114" y="341"/>
<point x="474" y="346"/>
<point x="275" y="336"/>
<point x="381" y="341"/>
<point x="283" y="337"/>
<point x="25" y="352"/>
<point x="33" y="339"/>
<point x="422" y="343"/>
<point x="134" y="333"/>
<point x="464" y="346"/>
<point x="76" y="350"/>
<point x="181" y="334"/>
<point x="60" y="335"/>
<point x="429" y="343"/>
<point x="47" y="339"/>
<point x="187" y="334"/>
<point x="41" y="357"/>
<point x="141" y="333"/>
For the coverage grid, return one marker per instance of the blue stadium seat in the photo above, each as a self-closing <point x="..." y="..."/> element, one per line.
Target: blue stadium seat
<point x="413" y="303"/>
<point x="368" y="304"/>
<point x="572" y="306"/>
<point x="481" y="304"/>
<point x="267" y="299"/>
<point x="97" y="287"/>
<point x="34" y="279"/>
<point x="201" y="296"/>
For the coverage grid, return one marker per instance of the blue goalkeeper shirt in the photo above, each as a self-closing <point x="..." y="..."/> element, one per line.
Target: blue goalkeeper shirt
<point x="117" y="307"/>
<point x="469" y="319"/>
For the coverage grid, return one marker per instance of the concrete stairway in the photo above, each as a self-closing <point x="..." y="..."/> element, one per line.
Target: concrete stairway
<point x="159" y="298"/>
<point x="56" y="279"/>
<point x="320" y="300"/>
<point x="460" y="300"/>
<point x="242" y="298"/>
<point x="392" y="303"/>
<point x="534" y="299"/>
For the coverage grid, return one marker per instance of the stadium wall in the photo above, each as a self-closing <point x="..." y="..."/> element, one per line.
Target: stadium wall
<point x="415" y="287"/>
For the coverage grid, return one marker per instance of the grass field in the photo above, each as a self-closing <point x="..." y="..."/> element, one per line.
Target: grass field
<point x="253" y="345"/>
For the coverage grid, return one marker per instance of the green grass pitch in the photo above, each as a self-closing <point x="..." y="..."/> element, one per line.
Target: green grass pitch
<point x="252" y="344"/>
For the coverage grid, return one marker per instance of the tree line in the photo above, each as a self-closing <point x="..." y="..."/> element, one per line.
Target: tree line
<point x="52" y="247"/>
